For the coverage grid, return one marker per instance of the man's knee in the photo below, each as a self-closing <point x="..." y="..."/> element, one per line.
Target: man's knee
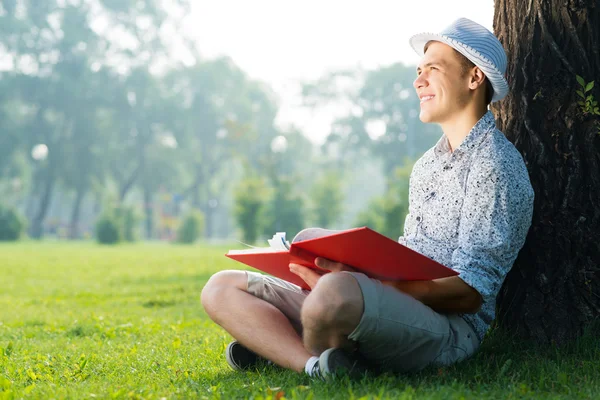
<point x="336" y="300"/>
<point x="218" y="286"/>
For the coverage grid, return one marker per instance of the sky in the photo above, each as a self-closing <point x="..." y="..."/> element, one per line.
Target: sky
<point x="284" y="42"/>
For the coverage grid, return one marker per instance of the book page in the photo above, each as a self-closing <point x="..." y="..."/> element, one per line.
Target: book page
<point x="313" y="233"/>
<point x="278" y="241"/>
<point x="255" y="250"/>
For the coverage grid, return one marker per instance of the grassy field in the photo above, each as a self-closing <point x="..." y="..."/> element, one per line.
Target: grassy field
<point x="125" y="322"/>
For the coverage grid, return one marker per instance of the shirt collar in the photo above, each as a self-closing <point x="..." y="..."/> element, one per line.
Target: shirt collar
<point x="484" y="125"/>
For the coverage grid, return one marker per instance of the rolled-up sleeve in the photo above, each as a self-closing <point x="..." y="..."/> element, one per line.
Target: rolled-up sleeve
<point x="495" y="218"/>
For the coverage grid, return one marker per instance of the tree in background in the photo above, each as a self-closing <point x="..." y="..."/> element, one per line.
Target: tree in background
<point x="58" y="61"/>
<point x="285" y="210"/>
<point x="326" y="199"/>
<point x="251" y="196"/>
<point x="552" y="292"/>
<point x="386" y="214"/>
<point x="92" y="111"/>
<point x="224" y="119"/>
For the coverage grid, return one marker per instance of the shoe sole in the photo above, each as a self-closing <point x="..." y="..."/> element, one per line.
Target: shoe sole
<point x="230" y="361"/>
<point x="335" y="362"/>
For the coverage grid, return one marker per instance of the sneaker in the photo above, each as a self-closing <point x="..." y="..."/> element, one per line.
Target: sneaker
<point x="338" y="362"/>
<point x="240" y="358"/>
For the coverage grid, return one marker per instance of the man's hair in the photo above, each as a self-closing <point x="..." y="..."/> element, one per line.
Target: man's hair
<point x="467" y="65"/>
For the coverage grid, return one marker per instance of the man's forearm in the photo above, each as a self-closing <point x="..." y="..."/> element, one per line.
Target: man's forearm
<point x="446" y="295"/>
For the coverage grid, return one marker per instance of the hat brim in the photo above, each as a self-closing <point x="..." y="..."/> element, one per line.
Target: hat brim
<point x="497" y="80"/>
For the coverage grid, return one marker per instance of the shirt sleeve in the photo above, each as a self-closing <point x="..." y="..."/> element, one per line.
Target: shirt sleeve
<point x="495" y="218"/>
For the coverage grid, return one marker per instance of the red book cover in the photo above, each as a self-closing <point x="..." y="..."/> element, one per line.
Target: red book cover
<point x="367" y="251"/>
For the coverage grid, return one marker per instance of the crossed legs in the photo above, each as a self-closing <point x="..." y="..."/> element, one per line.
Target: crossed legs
<point x="328" y="315"/>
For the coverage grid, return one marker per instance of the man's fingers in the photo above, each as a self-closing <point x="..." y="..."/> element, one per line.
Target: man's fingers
<point x="308" y="275"/>
<point x="332" y="265"/>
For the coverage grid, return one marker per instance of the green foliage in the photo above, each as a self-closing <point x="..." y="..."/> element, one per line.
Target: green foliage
<point x="327" y="197"/>
<point x="386" y="214"/>
<point x="250" y="197"/>
<point x="115" y="323"/>
<point x="128" y="219"/>
<point x="373" y="216"/>
<point x="191" y="227"/>
<point x="117" y="223"/>
<point x="107" y="229"/>
<point x="285" y="209"/>
<point x="11" y="224"/>
<point x="587" y="104"/>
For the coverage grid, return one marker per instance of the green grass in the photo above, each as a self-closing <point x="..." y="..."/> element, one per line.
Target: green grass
<point x="85" y="321"/>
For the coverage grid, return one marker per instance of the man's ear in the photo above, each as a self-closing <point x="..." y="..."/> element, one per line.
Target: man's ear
<point x="477" y="78"/>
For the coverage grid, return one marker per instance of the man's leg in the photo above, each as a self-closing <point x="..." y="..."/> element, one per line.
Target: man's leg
<point x="400" y="334"/>
<point x="331" y="312"/>
<point x="392" y="331"/>
<point x="258" y="325"/>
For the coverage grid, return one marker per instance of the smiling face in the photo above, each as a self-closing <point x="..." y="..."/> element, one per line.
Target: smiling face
<point x="442" y="85"/>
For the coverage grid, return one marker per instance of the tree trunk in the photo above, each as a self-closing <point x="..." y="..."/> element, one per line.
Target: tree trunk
<point x="149" y="210"/>
<point x="74" y="223"/>
<point x="553" y="289"/>
<point x="209" y="213"/>
<point x="129" y="182"/>
<point x="37" y="230"/>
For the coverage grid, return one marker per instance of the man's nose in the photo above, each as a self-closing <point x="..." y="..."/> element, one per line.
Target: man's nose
<point x="420" y="82"/>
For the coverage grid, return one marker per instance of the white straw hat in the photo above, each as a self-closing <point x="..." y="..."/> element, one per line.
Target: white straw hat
<point x="476" y="43"/>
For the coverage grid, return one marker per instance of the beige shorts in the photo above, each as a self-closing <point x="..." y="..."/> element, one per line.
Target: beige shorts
<point x="396" y="332"/>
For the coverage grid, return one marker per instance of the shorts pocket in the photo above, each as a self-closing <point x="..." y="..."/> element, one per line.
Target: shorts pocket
<point x="463" y="344"/>
<point x="451" y="355"/>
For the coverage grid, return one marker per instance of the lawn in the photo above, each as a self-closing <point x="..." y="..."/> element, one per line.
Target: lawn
<point x="78" y="320"/>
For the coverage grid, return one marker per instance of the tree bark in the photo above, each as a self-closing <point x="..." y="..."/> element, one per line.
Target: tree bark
<point x="553" y="290"/>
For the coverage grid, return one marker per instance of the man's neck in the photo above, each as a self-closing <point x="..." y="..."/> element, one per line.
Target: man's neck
<point x="457" y="128"/>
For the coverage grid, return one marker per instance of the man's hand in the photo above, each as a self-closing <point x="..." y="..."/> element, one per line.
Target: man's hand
<point x="445" y="295"/>
<point x="417" y="289"/>
<point x="311" y="276"/>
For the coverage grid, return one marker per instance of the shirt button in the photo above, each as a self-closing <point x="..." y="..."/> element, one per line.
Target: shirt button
<point x="418" y="218"/>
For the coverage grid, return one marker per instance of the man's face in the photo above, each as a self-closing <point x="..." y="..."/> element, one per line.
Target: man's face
<point x="441" y="85"/>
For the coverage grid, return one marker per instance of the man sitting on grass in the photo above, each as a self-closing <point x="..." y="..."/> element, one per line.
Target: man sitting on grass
<point x="470" y="208"/>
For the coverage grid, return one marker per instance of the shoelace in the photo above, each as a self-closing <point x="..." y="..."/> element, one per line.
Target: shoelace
<point x="315" y="371"/>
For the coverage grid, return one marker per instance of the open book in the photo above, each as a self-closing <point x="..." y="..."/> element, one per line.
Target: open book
<point x="365" y="250"/>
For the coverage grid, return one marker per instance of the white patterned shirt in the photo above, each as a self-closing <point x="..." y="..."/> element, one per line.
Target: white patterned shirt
<point x="470" y="209"/>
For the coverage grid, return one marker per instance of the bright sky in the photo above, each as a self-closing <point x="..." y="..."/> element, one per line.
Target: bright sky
<point x="283" y="42"/>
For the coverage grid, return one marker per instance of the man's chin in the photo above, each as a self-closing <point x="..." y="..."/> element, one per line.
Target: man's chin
<point x="426" y="117"/>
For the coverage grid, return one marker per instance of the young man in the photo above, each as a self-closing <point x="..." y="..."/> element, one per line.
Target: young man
<point x="470" y="207"/>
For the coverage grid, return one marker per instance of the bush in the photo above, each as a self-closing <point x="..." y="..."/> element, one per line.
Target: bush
<point x="127" y="222"/>
<point x="372" y="216"/>
<point x="121" y="219"/>
<point x="327" y="198"/>
<point x="250" y="198"/>
<point x="191" y="227"/>
<point x="284" y="210"/>
<point x="11" y="224"/>
<point x="107" y="230"/>
<point x="386" y="214"/>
